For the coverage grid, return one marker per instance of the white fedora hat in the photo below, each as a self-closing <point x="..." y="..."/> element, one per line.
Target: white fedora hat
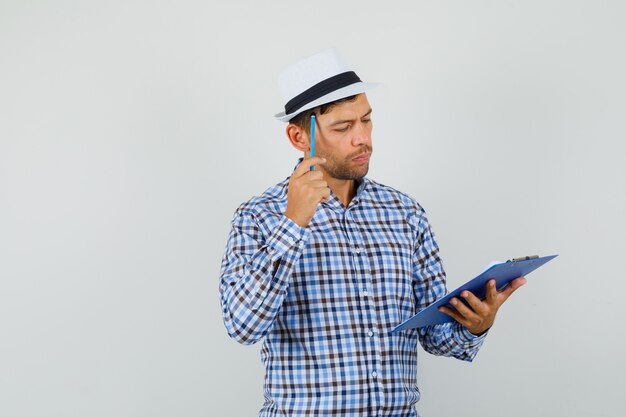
<point x="316" y="80"/>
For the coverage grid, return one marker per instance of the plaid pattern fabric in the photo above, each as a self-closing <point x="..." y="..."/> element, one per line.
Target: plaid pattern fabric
<point x="326" y="297"/>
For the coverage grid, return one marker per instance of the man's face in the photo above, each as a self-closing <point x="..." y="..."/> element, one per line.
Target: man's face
<point x="343" y="136"/>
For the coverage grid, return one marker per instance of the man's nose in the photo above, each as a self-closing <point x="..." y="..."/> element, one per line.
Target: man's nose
<point x="361" y="134"/>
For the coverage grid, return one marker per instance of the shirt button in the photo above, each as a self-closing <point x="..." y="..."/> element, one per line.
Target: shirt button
<point x="374" y="374"/>
<point x="370" y="333"/>
<point x="364" y="293"/>
<point x="357" y="250"/>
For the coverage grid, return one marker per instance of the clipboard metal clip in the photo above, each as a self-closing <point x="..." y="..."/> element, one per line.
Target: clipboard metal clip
<point x="523" y="258"/>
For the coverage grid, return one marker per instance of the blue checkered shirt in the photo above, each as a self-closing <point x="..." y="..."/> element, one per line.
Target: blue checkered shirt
<point x="324" y="299"/>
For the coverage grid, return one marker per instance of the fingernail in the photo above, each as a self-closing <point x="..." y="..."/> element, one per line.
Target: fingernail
<point x="453" y="301"/>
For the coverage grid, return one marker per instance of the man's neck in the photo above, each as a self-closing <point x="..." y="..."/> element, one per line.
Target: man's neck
<point x="345" y="190"/>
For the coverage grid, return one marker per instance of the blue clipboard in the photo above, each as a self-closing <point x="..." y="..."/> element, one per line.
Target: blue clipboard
<point x="503" y="273"/>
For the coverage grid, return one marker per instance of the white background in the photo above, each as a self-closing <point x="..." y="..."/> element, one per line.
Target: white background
<point x="131" y="130"/>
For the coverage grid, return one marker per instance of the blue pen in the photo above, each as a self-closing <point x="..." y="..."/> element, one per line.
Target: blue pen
<point x="312" y="154"/>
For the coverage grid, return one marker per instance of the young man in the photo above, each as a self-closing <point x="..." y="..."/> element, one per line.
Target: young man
<point x="324" y="264"/>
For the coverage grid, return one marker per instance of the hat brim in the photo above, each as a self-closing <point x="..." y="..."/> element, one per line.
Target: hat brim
<point x="344" y="92"/>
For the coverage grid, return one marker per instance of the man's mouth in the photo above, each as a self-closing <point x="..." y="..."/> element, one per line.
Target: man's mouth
<point x="364" y="157"/>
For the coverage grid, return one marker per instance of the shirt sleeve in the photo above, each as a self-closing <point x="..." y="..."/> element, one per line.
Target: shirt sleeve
<point x="448" y="339"/>
<point x="255" y="274"/>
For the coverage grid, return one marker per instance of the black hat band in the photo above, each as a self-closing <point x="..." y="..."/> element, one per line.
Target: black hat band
<point x="320" y="90"/>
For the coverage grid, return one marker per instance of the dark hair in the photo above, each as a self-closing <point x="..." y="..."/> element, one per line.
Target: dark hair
<point x="303" y="119"/>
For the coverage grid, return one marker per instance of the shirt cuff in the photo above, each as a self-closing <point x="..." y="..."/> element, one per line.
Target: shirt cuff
<point x="284" y="237"/>
<point x="467" y="338"/>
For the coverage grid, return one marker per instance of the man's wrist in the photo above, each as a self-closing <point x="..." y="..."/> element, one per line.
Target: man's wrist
<point x="479" y="333"/>
<point x="303" y="224"/>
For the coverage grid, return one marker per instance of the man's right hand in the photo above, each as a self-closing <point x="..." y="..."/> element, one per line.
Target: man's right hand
<point x="306" y="190"/>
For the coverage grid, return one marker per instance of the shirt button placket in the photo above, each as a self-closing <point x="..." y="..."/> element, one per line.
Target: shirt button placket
<point x="369" y="312"/>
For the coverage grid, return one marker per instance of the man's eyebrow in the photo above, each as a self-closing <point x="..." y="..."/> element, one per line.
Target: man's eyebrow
<point x="338" y="122"/>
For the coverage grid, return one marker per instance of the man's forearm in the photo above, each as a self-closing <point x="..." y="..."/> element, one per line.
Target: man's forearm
<point x="255" y="278"/>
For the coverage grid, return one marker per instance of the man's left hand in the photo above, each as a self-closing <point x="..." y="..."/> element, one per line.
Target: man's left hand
<point x="478" y="315"/>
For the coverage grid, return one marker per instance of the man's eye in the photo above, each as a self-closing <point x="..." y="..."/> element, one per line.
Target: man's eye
<point x="345" y="129"/>
<point x="367" y="120"/>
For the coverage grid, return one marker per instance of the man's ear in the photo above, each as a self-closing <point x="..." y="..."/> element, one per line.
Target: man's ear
<point x="297" y="137"/>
